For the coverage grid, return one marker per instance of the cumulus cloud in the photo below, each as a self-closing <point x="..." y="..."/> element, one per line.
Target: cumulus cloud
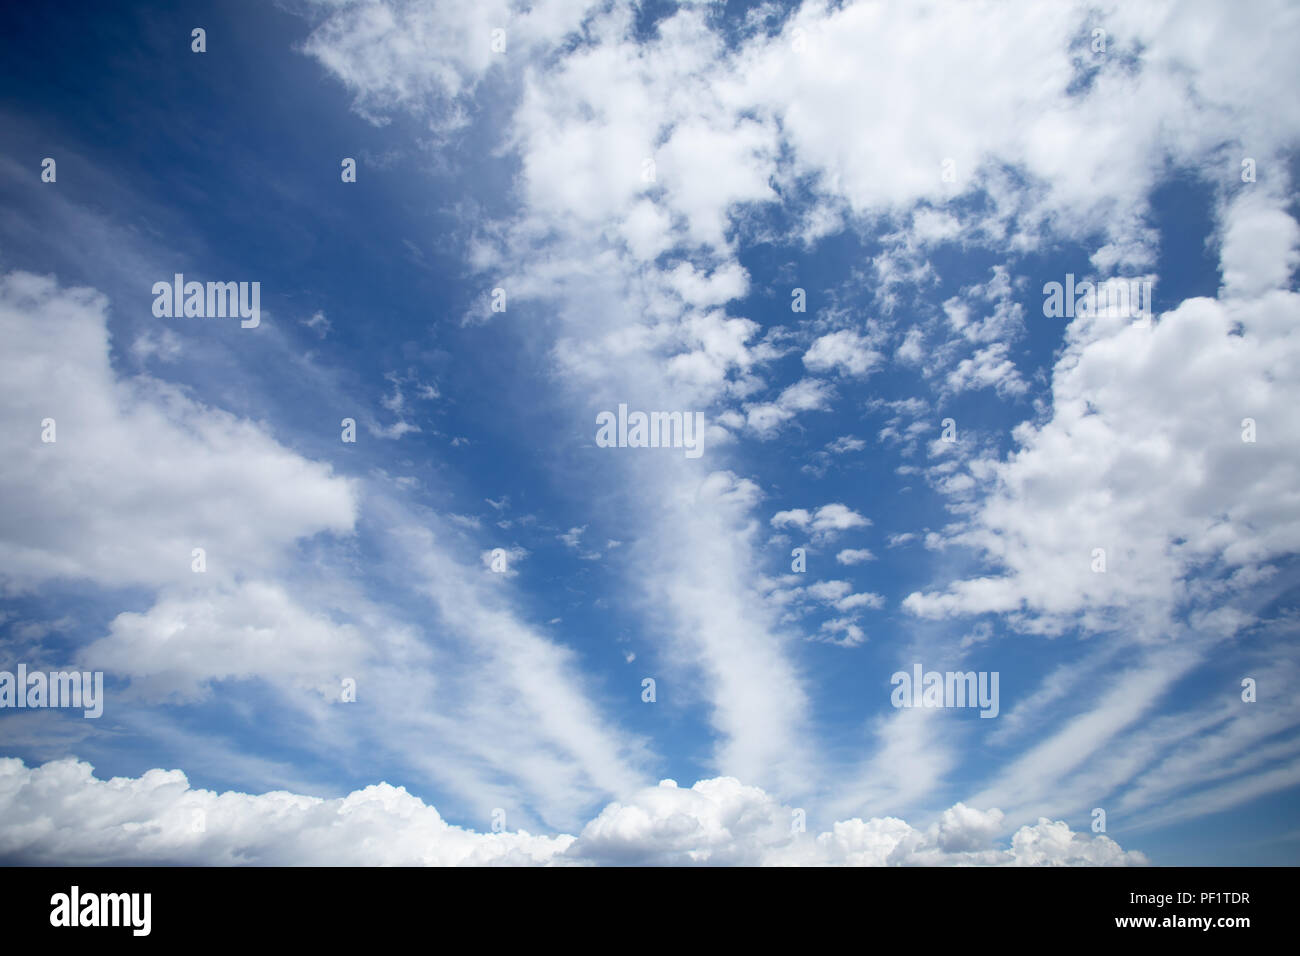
<point x="765" y="419"/>
<point x="839" y="595"/>
<point x="854" y="556"/>
<point x="158" y="818"/>
<point x="1260" y="247"/>
<point x="988" y="368"/>
<point x="826" y="522"/>
<point x="1072" y="518"/>
<point x="845" y="350"/>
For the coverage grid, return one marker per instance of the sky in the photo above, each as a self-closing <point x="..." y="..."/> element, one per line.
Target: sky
<point x="368" y="582"/>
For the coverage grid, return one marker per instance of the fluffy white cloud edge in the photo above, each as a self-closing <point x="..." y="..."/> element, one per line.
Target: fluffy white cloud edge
<point x="61" y="814"/>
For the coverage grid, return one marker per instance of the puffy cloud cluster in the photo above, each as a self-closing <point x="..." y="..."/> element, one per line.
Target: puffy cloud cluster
<point x="846" y="350"/>
<point x="60" y="813"/>
<point x="1170" y="447"/>
<point x="825" y="522"/>
<point x="724" y="822"/>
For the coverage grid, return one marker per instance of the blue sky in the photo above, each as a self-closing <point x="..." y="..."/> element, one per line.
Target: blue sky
<point x="793" y="147"/>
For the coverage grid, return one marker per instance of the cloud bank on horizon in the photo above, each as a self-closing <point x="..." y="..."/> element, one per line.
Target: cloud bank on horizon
<point x="875" y="412"/>
<point x="159" y="819"/>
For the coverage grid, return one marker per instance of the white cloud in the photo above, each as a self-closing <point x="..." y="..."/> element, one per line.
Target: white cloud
<point x="252" y="630"/>
<point x="502" y="562"/>
<point x="398" y="403"/>
<point x="799" y="517"/>
<point x="825" y="523"/>
<point x="834" y="518"/>
<point x="910" y="351"/>
<point x="845" y="350"/>
<point x="165" y="345"/>
<point x="573" y="537"/>
<point x="1004" y="324"/>
<point x="153" y="819"/>
<point x="854" y="556"/>
<point x="846" y="443"/>
<point x="851" y="602"/>
<point x="318" y="323"/>
<point x="809" y="394"/>
<point x="853" y="635"/>
<point x="474" y="702"/>
<point x="140" y="474"/>
<point x="1132" y="402"/>
<point x="829" y="591"/>
<point x="725" y="635"/>
<point x="988" y="368"/>
<point x="424" y="55"/>
<point x="1261" y="247"/>
<point x="979" y="634"/>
